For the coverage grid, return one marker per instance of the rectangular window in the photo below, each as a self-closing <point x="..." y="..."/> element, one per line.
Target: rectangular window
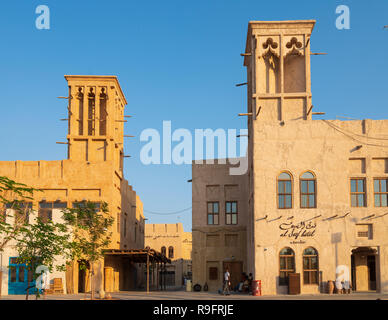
<point x="45" y="212"/>
<point x="364" y="231"/>
<point x="118" y="221"/>
<point x="307" y="193"/>
<point x="23" y="210"/>
<point x="284" y="194"/>
<point x="231" y="212"/>
<point x="212" y="213"/>
<point x="213" y="273"/>
<point x="381" y="192"/>
<point x="357" y="192"/>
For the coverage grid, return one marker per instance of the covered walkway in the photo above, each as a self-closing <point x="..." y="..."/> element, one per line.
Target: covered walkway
<point x="151" y="258"/>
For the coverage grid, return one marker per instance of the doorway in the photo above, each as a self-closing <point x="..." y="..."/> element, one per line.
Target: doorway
<point x="235" y="270"/>
<point x="363" y="269"/>
<point x="83" y="276"/>
<point x="19" y="278"/>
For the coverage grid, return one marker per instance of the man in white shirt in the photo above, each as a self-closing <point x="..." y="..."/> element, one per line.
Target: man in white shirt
<point x="226" y="282"/>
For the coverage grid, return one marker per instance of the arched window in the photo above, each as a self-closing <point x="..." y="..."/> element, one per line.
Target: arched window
<point x="284" y="191"/>
<point x="163" y="250"/>
<point x="171" y="252"/>
<point x="310" y="266"/>
<point x="308" y="190"/>
<point x="287" y="265"/>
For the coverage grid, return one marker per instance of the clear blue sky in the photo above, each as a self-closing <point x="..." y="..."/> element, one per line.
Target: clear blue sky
<point x="175" y="60"/>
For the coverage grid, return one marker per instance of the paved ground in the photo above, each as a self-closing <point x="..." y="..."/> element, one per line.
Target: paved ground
<point x="182" y="295"/>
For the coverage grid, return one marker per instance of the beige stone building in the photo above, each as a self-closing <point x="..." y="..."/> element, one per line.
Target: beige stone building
<point x="172" y="241"/>
<point x="92" y="172"/>
<point x="317" y="190"/>
<point x="219" y="227"/>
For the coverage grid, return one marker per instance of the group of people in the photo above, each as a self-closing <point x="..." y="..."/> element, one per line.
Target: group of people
<point x="245" y="285"/>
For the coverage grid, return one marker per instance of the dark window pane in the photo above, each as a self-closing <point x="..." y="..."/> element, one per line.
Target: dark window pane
<point x="305" y="263"/>
<point x="306" y="277"/>
<point x="13" y="274"/>
<point x="215" y="207"/>
<point x="290" y="263"/>
<point x="210" y="219"/>
<point x="60" y="205"/>
<point x="210" y="208"/>
<point x="45" y="205"/>
<point x="314" y="277"/>
<point x="314" y="263"/>
<point x="234" y="207"/>
<point x="282" y="263"/>
<point x="21" y="274"/>
<point x="286" y="251"/>
<point x="30" y="276"/>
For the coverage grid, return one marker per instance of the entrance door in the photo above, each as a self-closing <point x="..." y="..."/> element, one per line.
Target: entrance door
<point x="371" y="262"/>
<point x="235" y="270"/>
<point x="364" y="269"/>
<point x="19" y="278"/>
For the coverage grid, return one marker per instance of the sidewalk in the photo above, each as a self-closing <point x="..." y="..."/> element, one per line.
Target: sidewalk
<point x="183" y="295"/>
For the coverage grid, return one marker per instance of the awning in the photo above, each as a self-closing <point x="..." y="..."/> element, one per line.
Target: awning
<point x="139" y="255"/>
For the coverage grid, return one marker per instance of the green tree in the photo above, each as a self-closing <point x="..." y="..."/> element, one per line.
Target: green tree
<point x="18" y="197"/>
<point x="90" y="224"/>
<point x="41" y="244"/>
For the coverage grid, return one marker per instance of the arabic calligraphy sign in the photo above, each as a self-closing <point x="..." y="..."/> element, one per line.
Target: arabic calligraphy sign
<point x="299" y="230"/>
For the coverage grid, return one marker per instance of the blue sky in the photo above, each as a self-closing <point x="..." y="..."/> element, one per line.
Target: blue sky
<point x="178" y="61"/>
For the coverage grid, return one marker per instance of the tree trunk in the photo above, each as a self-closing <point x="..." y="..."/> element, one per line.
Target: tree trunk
<point x="91" y="281"/>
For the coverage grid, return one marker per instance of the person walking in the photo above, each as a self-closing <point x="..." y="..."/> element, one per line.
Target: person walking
<point x="226" y="282"/>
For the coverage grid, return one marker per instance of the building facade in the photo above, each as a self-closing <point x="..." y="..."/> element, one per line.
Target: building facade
<point x="92" y="172"/>
<point x="176" y="244"/>
<point x="219" y="225"/>
<point x="316" y="190"/>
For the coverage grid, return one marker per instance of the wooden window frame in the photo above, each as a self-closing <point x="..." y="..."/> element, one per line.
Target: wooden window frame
<point x="357" y="192"/>
<point x="379" y="193"/>
<point x="287" y="271"/>
<point x="231" y="213"/>
<point x="278" y="194"/>
<point x="171" y="252"/>
<point x="308" y="194"/>
<point x="310" y="270"/>
<point x="212" y="213"/>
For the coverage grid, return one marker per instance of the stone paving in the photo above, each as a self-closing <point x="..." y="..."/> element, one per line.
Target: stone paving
<point x="183" y="295"/>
